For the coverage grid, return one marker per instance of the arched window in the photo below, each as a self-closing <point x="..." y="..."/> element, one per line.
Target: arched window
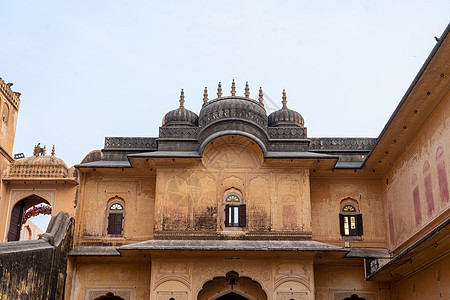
<point x="350" y="221"/>
<point x="235" y="211"/>
<point x="115" y="218"/>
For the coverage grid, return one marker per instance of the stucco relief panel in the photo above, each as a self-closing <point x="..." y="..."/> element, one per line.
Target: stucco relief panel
<point x="341" y="191"/>
<point x="172" y="270"/>
<point x="289" y="193"/>
<point x="231" y="156"/>
<point x="259" y="203"/>
<point x="236" y="182"/>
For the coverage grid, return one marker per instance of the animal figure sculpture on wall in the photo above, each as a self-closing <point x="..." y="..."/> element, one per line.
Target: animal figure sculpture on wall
<point x="38" y="150"/>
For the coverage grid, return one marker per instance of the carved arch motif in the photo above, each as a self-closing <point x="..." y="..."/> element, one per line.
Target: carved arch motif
<point x="232" y="282"/>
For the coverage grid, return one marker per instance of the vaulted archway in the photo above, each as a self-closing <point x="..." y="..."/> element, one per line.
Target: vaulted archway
<point x="232" y="287"/>
<point x="19" y="214"/>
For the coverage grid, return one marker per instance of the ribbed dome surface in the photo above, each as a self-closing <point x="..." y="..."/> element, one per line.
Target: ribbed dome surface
<point x="233" y="108"/>
<point x="39" y="166"/>
<point x="285" y="117"/>
<point x="181" y="117"/>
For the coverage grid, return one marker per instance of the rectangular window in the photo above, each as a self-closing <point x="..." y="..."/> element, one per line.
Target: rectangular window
<point x="346" y="229"/>
<point x="351" y="225"/>
<point x="115" y="223"/>
<point x="235" y="216"/>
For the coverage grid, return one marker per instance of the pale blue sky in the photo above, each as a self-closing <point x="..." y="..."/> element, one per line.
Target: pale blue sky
<point x="90" y="69"/>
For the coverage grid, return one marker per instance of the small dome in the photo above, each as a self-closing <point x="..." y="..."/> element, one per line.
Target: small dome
<point x="180" y="116"/>
<point x="39" y="166"/>
<point x="285" y="116"/>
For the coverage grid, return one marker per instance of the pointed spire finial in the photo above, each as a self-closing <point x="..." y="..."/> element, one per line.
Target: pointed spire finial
<point x="247" y="90"/>
<point x="284" y="99"/>
<point x="53" y="150"/>
<point x="219" y="90"/>
<point x="205" y="95"/>
<point x="182" y="98"/>
<point x="261" y="96"/>
<point x="233" y="88"/>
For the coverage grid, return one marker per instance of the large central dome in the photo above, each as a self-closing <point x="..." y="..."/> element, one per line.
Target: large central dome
<point x="234" y="107"/>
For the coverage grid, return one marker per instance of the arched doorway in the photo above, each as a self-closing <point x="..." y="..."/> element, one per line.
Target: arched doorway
<point x="232" y="287"/>
<point x="354" y="297"/>
<point x="24" y="209"/>
<point x="232" y="296"/>
<point x="109" y="296"/>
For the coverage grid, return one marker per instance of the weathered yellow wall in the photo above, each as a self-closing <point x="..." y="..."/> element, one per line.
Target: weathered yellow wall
<point x="190" y="276"/>
<point x="137" y="194"/>
<point x="417" y="184"/>
<point x="92" y="277"/>
<point x="337" y="281"/>
<point x="327" y="198"/>
<point x="431" y="282"/>
<point x="185" y="277"/>
<point x="192" y="198"/>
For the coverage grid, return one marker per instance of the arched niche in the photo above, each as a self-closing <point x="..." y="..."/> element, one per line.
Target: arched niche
<point x="292" y="288"/>
<point x="172" y="288"/>
<point x="349" y="201"/>
<point x="232" y="151"/>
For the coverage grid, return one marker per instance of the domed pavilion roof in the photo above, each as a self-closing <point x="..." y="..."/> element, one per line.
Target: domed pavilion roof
<point x="232" y="107"/>
<point x="180" y="116"/>
<point x="39" y="166"/>
<point x="285" y="116"/>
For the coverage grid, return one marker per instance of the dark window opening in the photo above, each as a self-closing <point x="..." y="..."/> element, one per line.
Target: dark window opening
<point x="115" y="219"/>
<point x="235" y="215"/>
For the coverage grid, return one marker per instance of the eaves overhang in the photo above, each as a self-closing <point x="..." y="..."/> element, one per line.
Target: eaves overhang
<point x="232" y="245"/>
<point x="432" y="246"/>
<point x="94" y="251"/>
<point x="399" y="124"/>
<point x="104" y="164"/>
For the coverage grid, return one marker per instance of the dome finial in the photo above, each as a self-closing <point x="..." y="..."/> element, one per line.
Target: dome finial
<point x="219" y="90"/>
<point x="284" y="99"/>
<point x="182" y="99"/>
<point x="247" y="90"/>
<point x="233" y="88"/>
<point x="261" y="96"/>
<point x="53" y="150"/>
<point x="205" y="95"/>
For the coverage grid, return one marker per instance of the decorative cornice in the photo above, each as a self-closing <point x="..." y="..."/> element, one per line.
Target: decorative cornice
<point x="337" y="143"/>
<point x="131" y="143"/>
<point x="13" y="97"/>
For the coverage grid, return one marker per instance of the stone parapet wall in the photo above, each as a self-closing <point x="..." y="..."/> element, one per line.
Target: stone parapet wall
<point x="37" y="269"/>
<point x="13" y="97"/>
